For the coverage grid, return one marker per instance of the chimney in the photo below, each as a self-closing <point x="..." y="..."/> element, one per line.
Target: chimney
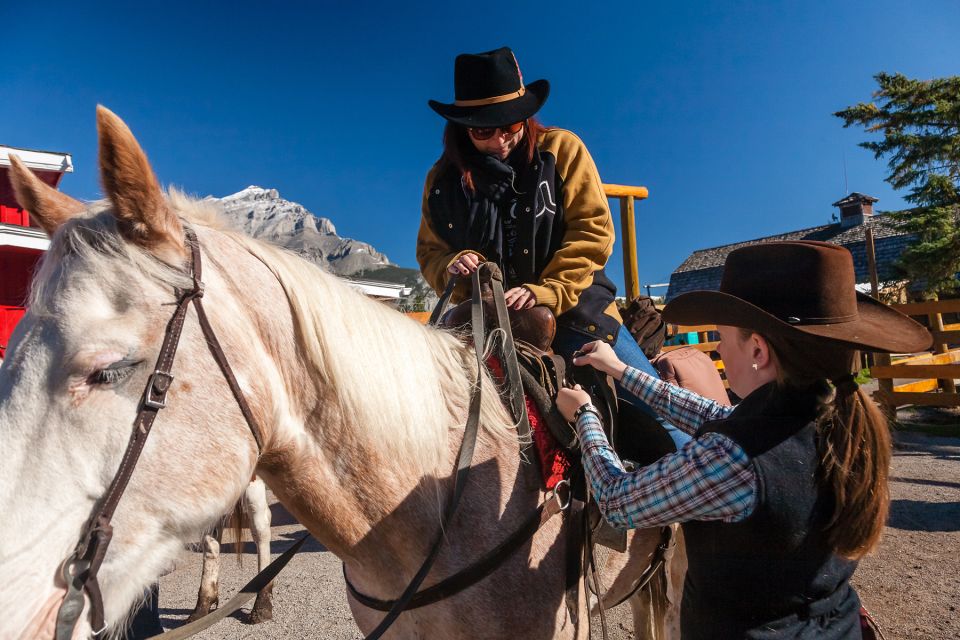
<point x="853" y="208"/>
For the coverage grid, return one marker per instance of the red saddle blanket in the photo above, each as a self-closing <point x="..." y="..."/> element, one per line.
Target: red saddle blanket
<point x="554" y="460"/>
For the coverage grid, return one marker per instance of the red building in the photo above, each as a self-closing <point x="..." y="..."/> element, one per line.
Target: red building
<point x="21" y="241"/>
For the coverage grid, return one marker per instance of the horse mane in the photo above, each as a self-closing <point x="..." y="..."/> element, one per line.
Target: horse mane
<point x="351" y="343"/>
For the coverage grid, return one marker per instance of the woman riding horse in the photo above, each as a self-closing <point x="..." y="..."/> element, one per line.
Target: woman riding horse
<point x="509" y="190"/>
<point x="780" y="496"/>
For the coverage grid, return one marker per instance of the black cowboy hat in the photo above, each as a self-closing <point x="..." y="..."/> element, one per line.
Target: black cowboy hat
<point x="800" y="289"/>
<point x="489" y="91"/>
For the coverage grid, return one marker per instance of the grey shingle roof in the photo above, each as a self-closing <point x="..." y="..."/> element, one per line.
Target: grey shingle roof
<point x="702" y="269"/>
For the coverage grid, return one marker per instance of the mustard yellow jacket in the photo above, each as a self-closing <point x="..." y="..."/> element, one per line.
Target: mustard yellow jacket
<point x="566" y="232"/>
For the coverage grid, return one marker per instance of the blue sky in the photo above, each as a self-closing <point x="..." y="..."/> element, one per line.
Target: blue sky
<point x="722" y="109"/>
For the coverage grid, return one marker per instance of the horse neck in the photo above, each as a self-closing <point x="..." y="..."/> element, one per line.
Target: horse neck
<point x="363" y="427"/>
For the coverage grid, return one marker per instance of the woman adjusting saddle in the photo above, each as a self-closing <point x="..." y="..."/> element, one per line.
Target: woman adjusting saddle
<point x="781" y="495"/>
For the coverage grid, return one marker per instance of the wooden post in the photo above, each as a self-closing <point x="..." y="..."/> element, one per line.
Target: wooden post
<point x="885" y="387"/>
<point x="872" y="265"/>
<point x="946" y="385"/>
<point x="628" y="228"/>
<point x="874" y="280"/>
<point x="631" y="275"/>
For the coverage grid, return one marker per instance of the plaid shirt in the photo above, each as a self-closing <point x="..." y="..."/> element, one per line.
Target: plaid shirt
<point x="710" y="478"/>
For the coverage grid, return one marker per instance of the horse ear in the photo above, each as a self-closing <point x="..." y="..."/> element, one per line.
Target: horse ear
<point x="142" y="212"/>
<point x="46" y="205"/>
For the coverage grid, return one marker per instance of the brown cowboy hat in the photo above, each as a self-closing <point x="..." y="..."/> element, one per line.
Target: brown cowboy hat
<point x="489" y="91"/>
<point x="801" y="288"/>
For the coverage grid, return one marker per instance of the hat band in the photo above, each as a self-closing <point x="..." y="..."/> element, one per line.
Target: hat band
<point x="513" y="95"/>
<point x="826" y="320"/>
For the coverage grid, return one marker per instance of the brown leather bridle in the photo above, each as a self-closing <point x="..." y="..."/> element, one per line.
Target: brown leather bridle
<point x="79" y="570"/>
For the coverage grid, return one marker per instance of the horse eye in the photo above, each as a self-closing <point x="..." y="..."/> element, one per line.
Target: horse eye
<point x="115" y="373"/>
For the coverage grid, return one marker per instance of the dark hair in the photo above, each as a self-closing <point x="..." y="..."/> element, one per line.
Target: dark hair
<point x="853" y="440"/>
<point x="457" y="145"/>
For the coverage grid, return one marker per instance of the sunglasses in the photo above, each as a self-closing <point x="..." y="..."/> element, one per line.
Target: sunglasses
<point x="485" y="133"/>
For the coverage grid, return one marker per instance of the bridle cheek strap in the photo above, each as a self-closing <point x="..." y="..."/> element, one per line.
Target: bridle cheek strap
<point x="79" y="571"/>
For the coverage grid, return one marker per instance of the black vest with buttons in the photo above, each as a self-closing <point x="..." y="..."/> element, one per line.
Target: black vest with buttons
<point x="540" y="228"/>
<point x="772" y="575"/>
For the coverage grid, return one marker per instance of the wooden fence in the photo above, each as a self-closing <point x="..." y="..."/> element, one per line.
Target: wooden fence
<point x="926" y="379"/>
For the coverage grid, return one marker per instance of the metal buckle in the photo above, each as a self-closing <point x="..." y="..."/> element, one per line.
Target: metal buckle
<point x="556" y="496"/>
<point x="158" y="401"/>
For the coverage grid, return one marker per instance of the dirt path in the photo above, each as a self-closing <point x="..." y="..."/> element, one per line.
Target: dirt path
<point x="912" y="584"/>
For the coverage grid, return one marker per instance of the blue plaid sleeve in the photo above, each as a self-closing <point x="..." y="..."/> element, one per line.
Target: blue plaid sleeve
<point x="710" y="478"/>
<point x="683" y="408"/>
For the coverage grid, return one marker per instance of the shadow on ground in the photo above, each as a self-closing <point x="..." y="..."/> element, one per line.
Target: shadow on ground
<point x="916" y="515"/>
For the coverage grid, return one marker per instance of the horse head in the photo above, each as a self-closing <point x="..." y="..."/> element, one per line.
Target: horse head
<point x="73" y="381"/>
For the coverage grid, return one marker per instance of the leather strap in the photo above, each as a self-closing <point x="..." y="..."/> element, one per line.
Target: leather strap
<point x="591" y="560"/>
<point x="444" y="300"/>
<point x="576" y="517"/>
<point x="511" y="368"/>
<point x="657" y="563"/>
<point x="477" y="571"/>
<point x="245" y="594"/>
<point x="80" y="569"/>
<point x="464" y="462"/>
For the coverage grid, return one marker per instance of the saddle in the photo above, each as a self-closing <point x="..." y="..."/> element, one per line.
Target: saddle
<point x="528" y="356"/>
<point x="543" y="373"/>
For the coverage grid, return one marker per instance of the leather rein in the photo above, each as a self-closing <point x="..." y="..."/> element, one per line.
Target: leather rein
<point x="79" y="571"/>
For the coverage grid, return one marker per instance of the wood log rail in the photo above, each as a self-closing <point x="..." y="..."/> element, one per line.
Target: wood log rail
<point x="933" y="374"/>
<point x="628" y="195"/>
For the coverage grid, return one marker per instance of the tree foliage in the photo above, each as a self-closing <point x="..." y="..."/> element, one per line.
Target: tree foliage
<point x="919" y="121"/>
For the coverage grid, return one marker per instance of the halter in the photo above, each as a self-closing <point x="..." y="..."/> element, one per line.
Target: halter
<point x="79" y="570"/>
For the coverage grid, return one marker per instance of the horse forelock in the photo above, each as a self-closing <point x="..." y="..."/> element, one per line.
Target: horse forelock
<point x="93" y="240"/>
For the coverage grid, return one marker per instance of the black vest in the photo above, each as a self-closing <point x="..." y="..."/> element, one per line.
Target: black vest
<point x="540" y="228"/>
<point x="773" y="575"/>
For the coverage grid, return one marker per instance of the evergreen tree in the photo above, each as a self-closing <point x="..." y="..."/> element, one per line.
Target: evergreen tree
<point x="920" y="124"/>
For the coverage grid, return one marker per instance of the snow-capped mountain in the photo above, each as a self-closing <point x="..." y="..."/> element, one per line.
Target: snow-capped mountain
<point x="263" y="214"/>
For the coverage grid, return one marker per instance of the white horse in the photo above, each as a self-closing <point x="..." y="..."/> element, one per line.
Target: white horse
<point x="362" y="412"/>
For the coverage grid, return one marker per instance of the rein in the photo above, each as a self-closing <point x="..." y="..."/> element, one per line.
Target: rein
<point x="464" y="456"/>
<point x="79" y="571"/>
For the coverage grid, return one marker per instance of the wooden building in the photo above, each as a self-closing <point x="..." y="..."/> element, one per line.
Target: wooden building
<point x="21" y="241"/>
<point x="703" y="268"/>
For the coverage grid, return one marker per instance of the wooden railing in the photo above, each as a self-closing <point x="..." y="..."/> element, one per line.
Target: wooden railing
<point x="929" y="377"/>
<point x="926" y="379"/>
<point x="628" y="228"/>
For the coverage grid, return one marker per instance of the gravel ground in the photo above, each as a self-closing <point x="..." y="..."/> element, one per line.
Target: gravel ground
<point x="309" y="599"/>
<point x="911" y="584"/>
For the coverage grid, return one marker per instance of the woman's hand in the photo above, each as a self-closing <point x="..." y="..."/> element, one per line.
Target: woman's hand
<point x="519" y="298"/>
<point x="600" y="356"/>
<point x="465" y="264"/>
<point x="569" y="400"/>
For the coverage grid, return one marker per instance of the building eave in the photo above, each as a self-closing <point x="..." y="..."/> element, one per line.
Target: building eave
<point x="374" y="289"/>
<point x="38" y="160"/>
<point x="12" y="235"/>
